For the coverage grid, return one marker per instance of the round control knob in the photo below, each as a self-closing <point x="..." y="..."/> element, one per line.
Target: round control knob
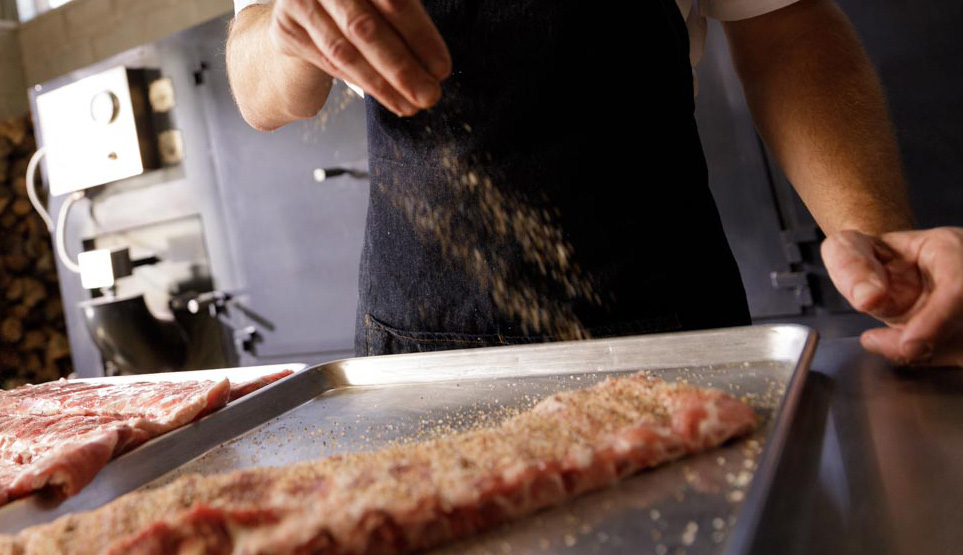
<point x="104" y="107"/>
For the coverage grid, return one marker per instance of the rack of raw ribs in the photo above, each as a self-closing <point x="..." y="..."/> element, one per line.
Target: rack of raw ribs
<point x="406" y="497"/>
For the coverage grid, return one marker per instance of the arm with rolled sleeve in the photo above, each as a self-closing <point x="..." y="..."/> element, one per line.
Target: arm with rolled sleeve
<point x="819" y="106"/>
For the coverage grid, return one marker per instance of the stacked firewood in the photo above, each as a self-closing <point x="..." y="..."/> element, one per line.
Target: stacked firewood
<point x="33" y="341"/>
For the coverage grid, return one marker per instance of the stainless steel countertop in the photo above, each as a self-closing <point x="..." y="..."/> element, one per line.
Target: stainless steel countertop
<point x="874" y="462"/>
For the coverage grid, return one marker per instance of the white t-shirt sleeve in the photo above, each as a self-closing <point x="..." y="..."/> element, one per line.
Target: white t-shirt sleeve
<point x="734" y="10"/>
<point x="241" y="4"/>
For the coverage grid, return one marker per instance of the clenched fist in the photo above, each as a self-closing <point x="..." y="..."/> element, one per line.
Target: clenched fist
<point x="390" y="48"/>
<point x="913" y="282"/>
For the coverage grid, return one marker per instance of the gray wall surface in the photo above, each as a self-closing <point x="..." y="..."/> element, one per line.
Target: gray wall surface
<point x="296" y="242"/>
<point x="739" y="180"/>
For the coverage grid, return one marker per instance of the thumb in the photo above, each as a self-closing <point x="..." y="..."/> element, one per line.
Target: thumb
<point x="856" y="271"/>
<point x="939" y="318"/>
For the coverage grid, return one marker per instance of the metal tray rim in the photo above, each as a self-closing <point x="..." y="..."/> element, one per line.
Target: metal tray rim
<point x="741" y="538"/>
<point x="357" y="371"/>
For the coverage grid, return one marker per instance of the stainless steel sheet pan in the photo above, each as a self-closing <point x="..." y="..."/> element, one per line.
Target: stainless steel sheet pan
<point x="708" y="503"/>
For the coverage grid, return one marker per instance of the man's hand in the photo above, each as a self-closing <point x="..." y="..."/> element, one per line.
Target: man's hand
<point x="390" y="48"/>
<point x="912" y="281"/>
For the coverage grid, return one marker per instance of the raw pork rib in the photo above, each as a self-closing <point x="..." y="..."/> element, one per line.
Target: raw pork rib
<point x="64" y="453"/>
<point x="166" y="405"/>
<point x="412" y="496"/>
<point x="59" y="435"/>
<point x="240" y="389"/>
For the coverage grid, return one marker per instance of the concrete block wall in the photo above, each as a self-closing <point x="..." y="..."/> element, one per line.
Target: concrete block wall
<point x="13" y="85"/>
<point x="85" y="31"/>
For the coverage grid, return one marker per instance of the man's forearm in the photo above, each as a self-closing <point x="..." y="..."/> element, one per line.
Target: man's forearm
<point x="271" y="88"/>
<point x="818" y="104"/>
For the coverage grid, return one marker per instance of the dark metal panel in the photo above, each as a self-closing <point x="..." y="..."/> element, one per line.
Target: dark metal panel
<point x="918" y="50"/>
<point x="739" y="180"/>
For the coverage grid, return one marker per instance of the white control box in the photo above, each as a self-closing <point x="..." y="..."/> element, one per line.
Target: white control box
<point x="97" y="130"/>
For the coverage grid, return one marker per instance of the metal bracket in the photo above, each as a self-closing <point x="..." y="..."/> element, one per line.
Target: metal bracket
<point x="797" y="282"/>
<point x="246" y="338"/>
<point x="793" y="238"/>
<point x="199" y="73"/>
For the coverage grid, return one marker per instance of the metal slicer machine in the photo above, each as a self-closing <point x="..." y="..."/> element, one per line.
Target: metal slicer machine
<point x="99" y="130"/>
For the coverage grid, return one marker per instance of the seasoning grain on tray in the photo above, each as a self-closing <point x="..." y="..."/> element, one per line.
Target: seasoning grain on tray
<point x="415" y="495"/>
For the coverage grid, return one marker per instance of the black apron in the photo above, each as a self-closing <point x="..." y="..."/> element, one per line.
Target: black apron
<point x="567" y="112"/>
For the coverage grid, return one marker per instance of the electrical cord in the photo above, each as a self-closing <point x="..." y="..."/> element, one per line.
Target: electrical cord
<point x="59" y="231"/>
<point x="59" y="238"/>
<point x="32" y="188"/>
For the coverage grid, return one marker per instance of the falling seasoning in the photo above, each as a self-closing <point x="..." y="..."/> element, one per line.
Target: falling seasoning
<point x="476" y="220"/>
